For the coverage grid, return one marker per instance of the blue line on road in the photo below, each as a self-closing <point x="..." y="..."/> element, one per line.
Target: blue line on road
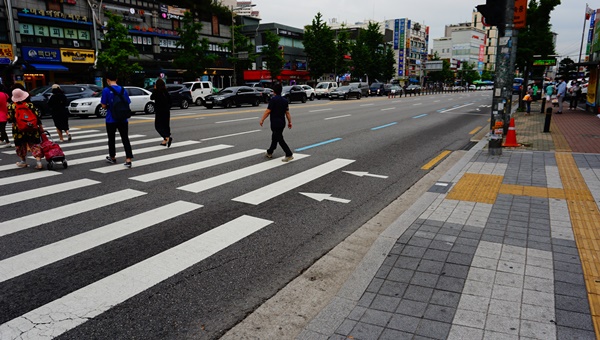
<point x="420" y="116"/>
<point x="383" y="126"/>
<point x="318" y="144"/>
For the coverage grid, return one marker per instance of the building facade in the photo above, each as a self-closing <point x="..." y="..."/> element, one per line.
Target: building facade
<point x="462" y="43"/>
<point x="58" y="41"/>
<point x="411" y="46"/>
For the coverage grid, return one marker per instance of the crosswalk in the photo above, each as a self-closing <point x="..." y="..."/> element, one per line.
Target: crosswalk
<point x="88" y="176"/>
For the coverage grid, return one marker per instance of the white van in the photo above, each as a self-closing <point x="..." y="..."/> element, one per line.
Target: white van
<point x="323" y="88"/>
<point x="199" y="90"/>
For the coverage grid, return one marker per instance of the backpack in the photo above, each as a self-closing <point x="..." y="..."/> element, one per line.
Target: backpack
<point x="25" y="118"/>
<point x="119" y="110"/>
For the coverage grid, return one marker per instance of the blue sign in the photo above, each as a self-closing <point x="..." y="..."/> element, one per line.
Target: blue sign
<point x="396" y="33"/>
<point x="4" y="61"/>
<point x="37" y="54"/>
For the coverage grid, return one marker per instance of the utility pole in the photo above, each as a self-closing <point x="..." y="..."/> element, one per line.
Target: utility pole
<point x="501" y="14"/>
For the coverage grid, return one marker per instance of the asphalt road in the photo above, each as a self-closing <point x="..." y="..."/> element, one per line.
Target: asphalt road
<point x="195" y="237"/>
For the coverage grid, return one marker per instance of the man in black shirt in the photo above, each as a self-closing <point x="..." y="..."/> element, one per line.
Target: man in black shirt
<point x="279" y="111"/>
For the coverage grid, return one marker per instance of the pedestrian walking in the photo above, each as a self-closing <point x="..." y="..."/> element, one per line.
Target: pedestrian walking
<point x="549" y="92"/>
<point x="279" y="111"/>
<point x="528" y="99"/>
<point x="60" y="113"/>
<point x="112" y="125"/>
<point x="535" y="91"/>
<point x="561" y="92"/>
<point x="574" y="91"/>
<point x="26" y="128"/>
<point x="4" y="141"/>
<point x="162" y="112"/>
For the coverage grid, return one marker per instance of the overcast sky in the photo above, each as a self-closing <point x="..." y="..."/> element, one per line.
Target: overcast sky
<point x="567" y="19"/>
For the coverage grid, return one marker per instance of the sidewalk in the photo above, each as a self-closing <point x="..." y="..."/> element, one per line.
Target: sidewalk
<point x="502" y="247"/>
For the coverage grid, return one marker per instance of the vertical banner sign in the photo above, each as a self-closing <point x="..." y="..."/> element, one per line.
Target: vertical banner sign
<point x="520" y="14"/>
<point x="591" y="33"/>
<point x="481" y="52"/>
<point x="396" y="33"/>
<point x="401" y="47"/>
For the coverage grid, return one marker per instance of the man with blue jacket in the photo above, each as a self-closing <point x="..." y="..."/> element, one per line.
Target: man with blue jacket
<point x="561" y="92"/>
<point x="112" y="125"/>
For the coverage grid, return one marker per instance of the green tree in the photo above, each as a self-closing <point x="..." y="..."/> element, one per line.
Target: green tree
<point x="369" y="54"/>
<point x="272" y="54"/>
<point x="567" y="68"/>
<point x="118" y="50"/>
<point x="194" y="56"/>
<point x="342" y="46"/>
<point x="469" y="73"/>
<point x="319" y="47"/>
<point x="487" y="75"/>
<point x="387" y="68"/>
<point x="244" y="53"/>
<point x="445" y="76"/>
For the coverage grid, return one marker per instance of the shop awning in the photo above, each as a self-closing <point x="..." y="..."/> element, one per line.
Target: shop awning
<point x="49" y="67"/>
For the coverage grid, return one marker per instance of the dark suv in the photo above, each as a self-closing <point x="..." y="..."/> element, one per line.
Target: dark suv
<point x="377" y="89"/>
<point x="181" y="95"/>
<point x="40" y="95"/>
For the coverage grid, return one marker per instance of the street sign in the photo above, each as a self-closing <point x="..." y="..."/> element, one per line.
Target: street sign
<point x="4" y="61"/>
<point x="520" y="14"/>
<point x="544" y="62"/>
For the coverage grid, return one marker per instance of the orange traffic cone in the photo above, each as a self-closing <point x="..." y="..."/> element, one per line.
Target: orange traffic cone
<point x="511" y="136"/>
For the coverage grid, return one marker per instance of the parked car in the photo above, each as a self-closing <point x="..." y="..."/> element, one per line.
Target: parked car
<point x="181" y="96"/>
<point x="266" y="92"/>
<point x="376" y="89"/>
<point x="413" y="89"/>
<point x="396" y="90"/>
<point x="234" y="96"/>
<point x="345" y="92"/>
<point x="40" y="95"/>
<point x="362" y="87"/>
<point x="310" y="92"/>
<point x="323" y="88"/>
<point x="199" y="90"/>
<point x="140" y="102"/>
<point x="294" y="93"/>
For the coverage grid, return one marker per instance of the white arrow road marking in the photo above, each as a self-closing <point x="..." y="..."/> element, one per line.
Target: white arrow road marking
<point x="364" y="173"/>
<point x="264" y="194"/>
<point x="74" y="309"/>
<point x="47" y="216"/>
<point x="321" y="197"/>
<point x="39" y="257"/>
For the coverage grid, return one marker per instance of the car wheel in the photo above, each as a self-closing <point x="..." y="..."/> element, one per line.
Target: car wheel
<point x="229" y="104"/>
<point x="358" y="96"/>
<point x="304" y="98"/>
<point x="312" y="97"/>
<point x="256" y="102"/>
<point x="184" y="104"/>
<point x="149" y="108"/>
<point x="100" y="112"/>
<point x="345" y="97"/>
<point x="198" y="101"/>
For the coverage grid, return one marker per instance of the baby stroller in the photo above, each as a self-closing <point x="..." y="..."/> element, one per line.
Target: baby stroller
<point x="52" y="151"/>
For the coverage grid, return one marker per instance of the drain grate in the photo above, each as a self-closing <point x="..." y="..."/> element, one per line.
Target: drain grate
<point x="468" y="146"/>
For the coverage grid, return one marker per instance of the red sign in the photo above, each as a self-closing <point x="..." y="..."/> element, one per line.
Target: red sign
<point x="520" y="14"/>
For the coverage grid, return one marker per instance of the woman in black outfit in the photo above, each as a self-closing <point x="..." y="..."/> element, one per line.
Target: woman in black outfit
<point x="60" y="113"/>
<point x="162" y="109"/>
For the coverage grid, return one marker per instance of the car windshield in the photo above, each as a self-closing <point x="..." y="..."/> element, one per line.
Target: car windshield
<point x="375" y="85"/>
<point x="322" y="86"/>
<point x="187" y="85"/>
<point x="226" y="91"/>
<point x="38" y="90"/>
<point x="344" y="88"/>
<point x="287" y="88"/>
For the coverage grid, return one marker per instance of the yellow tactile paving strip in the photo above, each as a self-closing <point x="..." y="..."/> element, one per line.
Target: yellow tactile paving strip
<point x="583" y="211"/>
<point x="560" y="142"/>
<point x="585" y="219"/>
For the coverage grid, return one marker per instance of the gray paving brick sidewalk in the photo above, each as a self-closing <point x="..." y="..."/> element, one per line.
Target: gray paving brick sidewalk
<point x="449" y="269"/>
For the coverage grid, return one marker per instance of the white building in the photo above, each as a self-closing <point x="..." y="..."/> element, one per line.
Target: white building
<point x="464" y="43"/>
<point x="410" y="44"/>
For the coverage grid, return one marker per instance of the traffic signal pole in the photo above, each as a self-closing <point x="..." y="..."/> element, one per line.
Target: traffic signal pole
<point x="505" y="66"/>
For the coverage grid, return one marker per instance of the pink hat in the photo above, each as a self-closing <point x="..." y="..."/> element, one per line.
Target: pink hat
<point x="19" y="95"/>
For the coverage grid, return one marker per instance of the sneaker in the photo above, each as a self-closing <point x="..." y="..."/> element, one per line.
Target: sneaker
<point x="69" y="139"/>
<point x="287" y="159"/>
<point x="21" y="164"/>
<point x="111" y="160"/>
<point x="127" y="165"/>
<point x="269" y="155"/>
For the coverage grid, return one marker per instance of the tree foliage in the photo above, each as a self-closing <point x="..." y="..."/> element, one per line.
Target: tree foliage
<point x="342" y="47"/>
<point x="319" y="47"/>
<point x="444" y="76"/>
<point x="567" y="68"/>
<point x="370" y="55"/>
<point x="468" y="73"/>
<point x="242" y="45"/>
<point x="195" y="56"/>
<point x="272" y="54"/>
<point x="118" y="49"/>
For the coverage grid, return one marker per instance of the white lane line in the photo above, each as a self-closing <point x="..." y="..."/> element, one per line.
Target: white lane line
<point x="118" y="145"/>
<point x="231" y="135"/>
<point x="229" y="177"/>
<point x="417" y="104"/>
<point x="32" y="176"/>
<point x="397" y="101"/>
<point x="164" y="158"/>
<point x="74" y="309"/>
<point x="387" y="109"/>
<point x="142" y="118"/>
<point x="149" y="177"/>
<point x="236" y="120"/>
<point x="264" y="194"/>
<point x="436" y="101"/>
<point x="367" y="104"/>
<point x="344" y="116"/>
<point x="45" y="191"/>
<point x="320" y="110"/>
<point x="457" y="107"/>
<point x="47" y="216"/>
<point x="188" y="114"/>
<point x="155" y="148"/>
<point x="43" y="256"/>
